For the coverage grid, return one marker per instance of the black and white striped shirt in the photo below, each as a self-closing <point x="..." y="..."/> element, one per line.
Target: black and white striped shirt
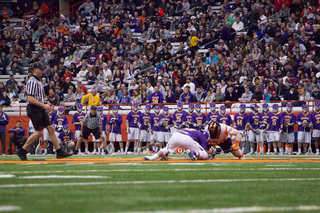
<point x="92" y="121"/>
<point x="35" y="89"/>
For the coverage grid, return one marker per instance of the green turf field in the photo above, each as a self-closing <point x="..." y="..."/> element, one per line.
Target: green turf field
<point x="160" y="186"/>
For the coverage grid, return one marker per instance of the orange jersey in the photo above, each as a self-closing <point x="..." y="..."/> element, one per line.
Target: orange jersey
<point x="225" y="133"/>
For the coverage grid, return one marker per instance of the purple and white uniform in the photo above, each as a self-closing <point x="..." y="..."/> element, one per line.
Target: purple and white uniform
<point x="78" y="117"/>
<point x="213" y="116"/>
<point x="240" y="121"/>
<point x="167" y="119"/>
<point x="316" y="123"/>
<point x="276" y="122"/>
<point x="157" y="134"/>
<point x="198" y="119"/>
<point x="178" y="118"/>
<point x="66" y="137"/>
<point x="145" y="121"/>
<point x="187" y="118"/>
<point x="304" y="134"/>
<point x="115" y="128"/>
<point x="133" y="120"/>
<point x="254" y="119"/>
<point x="288" y="132"/>
<point x="225" y="119"/>
<point x="60" y="121"/>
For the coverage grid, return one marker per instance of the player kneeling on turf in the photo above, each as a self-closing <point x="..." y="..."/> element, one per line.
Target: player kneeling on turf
<point x="66" y="138"/>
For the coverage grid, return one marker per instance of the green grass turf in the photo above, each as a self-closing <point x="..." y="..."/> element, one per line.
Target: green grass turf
<point x="160" y="196"/>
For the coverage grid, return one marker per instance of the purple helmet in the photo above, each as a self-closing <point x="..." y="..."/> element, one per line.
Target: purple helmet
<point x="100" y="109"/>
<point x="165" y="110"/>
<point x="135" y="106"/>
<point x="191" y="108"/>
<point x="60" y="111"/>
<point x="66" y="128"/>
<point x="147" y="109"/>
<point x="198" y="107"/>
<point x="157" y="109"/>
<point x="275" y="108"/>
<point x="180" y="105"/>
<point x="254" y="107"/>
<point x="317" y="105"/>
<point x="115" y="110"/>
<point x="212" y="107"/>
<point x="242" y="108"/>
<point x="223" y="109"/>
<point x="304" y="108"/>
<point x="79" y="107"/>
<point x="289" y="107"/>
<point x="265" y="107"/>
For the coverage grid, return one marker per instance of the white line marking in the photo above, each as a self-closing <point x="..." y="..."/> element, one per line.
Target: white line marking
<point x="124" y="164"/>
<point x="72" y="164"/>
<point x="276" y="165"/>
<point x="152" y="182"/>
<point x="61" y="176"/>
<point x="9" y="208"/>
<point x="242" y="209"/>
<point x="197" y="164"/>
<point x="6" y="176"/>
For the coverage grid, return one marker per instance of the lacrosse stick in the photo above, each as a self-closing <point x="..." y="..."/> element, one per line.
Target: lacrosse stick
<point x="287" y="139"/>
<point x="310" y="148"/>
<point x="38" y="150"/>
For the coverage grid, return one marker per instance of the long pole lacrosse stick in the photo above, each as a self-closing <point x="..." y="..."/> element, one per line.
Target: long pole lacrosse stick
<point x="287" y="139"/>
<point x="310" y="148"/>
<point x="38" y="150"/>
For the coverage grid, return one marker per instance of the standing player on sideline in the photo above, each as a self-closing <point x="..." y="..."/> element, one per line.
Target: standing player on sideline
<point x="46" y="138"/>
<point x="133" y="127"/>
<point x="91" y="124"/>
<point x="115" y="128"/>
<point x="145" y="127"/>
<point x="157" y="137"/>
<point x="187" y="119"/>
<point x="105" y="127"/>
<point x="178" y="117"/>
<point x="213" y="114"/>
<point x="198" y="118"/>
<point x="67" y="138"/>
<point x="167" y="122"/>
<point x="36" y="111"/>
<point x="304" y="121"/>
<point x="59" y="121"/>
<point x="276" y="128"/>
<point x="253" y="122"/>
<point x="240" y="121"/>
<point x="264" y="127"/>
<point x="316" y="124"/>
<point x="223" y="117"/>
<point x="77" y="119"/>
<point x="195" y="142"/>
<point x="289" y="122"/>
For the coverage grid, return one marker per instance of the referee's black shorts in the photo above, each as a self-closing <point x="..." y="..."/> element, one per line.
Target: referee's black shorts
<point x="39" y="117"/>
<point x="86" y="132"/>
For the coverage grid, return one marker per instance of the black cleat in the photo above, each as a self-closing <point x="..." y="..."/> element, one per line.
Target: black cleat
<point x="22" y="154"/>
<point x="63" y="154"/>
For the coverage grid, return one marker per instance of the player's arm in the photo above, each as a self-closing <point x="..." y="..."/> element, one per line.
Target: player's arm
<point x="101" y="133"/>
<point x="237" y="133"/>
<point x="82" y="125"/>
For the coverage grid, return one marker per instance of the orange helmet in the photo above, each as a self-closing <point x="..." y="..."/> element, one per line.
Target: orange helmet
<point x="214" y="129"/>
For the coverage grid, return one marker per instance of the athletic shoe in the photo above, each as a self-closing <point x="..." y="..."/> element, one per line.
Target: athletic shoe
<point x="191" y="155"/>
<point x="250" y="153"/>
<point x="3" y="154"/>
<point x="63" y="154"/>
<point x="79" y="153"/>
<point x="317" y="153"/>
<point x="165" y="158"/>
<point x="94" y="153"/>
<point x="242" y="157"/>
<point x="299" y="153"/>
<point x="87" y="153"/>
<point x="211" y="156"/>
<point x="103" y="153"/>
<point x="122" y="153"/>
<point x="146" y="158"/>
<point x="268" y="153"/>
<point x="71" y="152"/>
<point x="22" y="154"/>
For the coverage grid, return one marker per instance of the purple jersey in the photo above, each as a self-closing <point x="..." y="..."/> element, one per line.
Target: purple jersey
<point x="52" y="115"/>
<point x="316" y="120"/>
<point x="78" y="117"/>
<point x="254" y="119"/>
<point x="145" y="120"/>
<point x="133" y="119"/>
<point x="104" y="121"/>
<point x="276" y="121"/>
<point x="225" y="119"/>
<point x="240" y="121"/>
<point x="213" y="116"/>
<point x="289" y="118"/>
<point x="197" y="136"/>
<point x="155" y="118"/>
<point x="66" y="137"/>
<point x="60" y="121"/>
<point x="266" y="117"/>
<point x="178" y="116"/>
<point x="304" y="118"/>
<point x="167" y="119"/>
<point x="115" y="127"/>
<point x="18" y="132"/>
<point x="198" y="118"/>
<point x="187" y="117"/>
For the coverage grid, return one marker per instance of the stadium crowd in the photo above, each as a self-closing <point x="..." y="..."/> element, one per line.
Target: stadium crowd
<point x="254" y="51"/>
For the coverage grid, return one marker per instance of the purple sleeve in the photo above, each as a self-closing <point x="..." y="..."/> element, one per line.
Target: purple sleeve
<point x="230" y="120"/>
<point x="119" y="121"/>
<point x="74" y="118"/>
<point x="71" y="136"/>
<point x="11" y="130"/>
<point x="160" y="97"/>
<point x="65" y="120"/>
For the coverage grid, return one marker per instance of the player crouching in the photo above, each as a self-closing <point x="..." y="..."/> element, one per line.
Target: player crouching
<point x="66" y="138"/>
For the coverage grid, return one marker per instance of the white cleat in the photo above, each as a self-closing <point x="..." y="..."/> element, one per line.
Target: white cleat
<point x="103" y="153"/>
<point x="299" y="153"/>
<point x="268" y="153"/>
<point x="79" y="153"/>
<point x="122" y="153"/>
<point x="250" y="153"/>
<point x="94" y="153"/>
<point x="317" y="153"/>
<point x="147" y="158"/>
<point x="71" y="152"/>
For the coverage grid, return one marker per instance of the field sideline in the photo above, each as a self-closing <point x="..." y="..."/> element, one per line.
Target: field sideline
<point x="125" y="183"/>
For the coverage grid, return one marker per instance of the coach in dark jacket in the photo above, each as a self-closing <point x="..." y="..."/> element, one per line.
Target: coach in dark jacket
<point x="292" y="95"/>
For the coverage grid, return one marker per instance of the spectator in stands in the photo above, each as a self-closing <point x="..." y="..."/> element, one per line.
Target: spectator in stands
<point x="292" y="95"/>
<point x="43" y="10"/>
<point x="186" y="96"/>
<point x="82" y="87"/>
<point x="247" y="95"/>
<point x="125" y="97"/>
<point x="156" y="97"/>
<point x="304" y="95"/>
<point x="23" y="97"/>
<point x="257" y="95"/>
<point x="68" y="84"/>
<point x="190" y="84"/>
<point x="92" y="98"/>
<point x="54" y="98"/>
<point x="15" y="102"/>
<point x="88" y="7"/>
<point x="135" y="49"/>
<point x="5" y="13"/>
<point x="10" y="81"/>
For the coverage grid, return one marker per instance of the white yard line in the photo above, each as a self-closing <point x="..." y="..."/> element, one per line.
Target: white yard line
<point x="153" y="182"/>
<point x="242" y="209"/>
<point x="6" y="176"/>
<point x="9" y="208"/>
<point x="61" y="177"/>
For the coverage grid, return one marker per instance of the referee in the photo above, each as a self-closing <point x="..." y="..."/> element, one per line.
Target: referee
<point x="91" y="123"/>
<point x="36" y="111"/>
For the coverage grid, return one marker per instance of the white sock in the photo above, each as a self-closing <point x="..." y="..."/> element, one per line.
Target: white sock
<point x="135" y="149"/>
<point x="269" y="150"/>
<point x="121" y="149"/>
<point x="94" y="150"/>
<point x="261" y="149"/>
<point x="299" y="150"/>
<point x="127" y="149"/>
<point x="289" y="150"/>
<point x="242" y="149"/>
<point x="251" y="149"/>
<point x="153" y="157"/>
<point x="281" y="150"/>
<point x="99" y="150"/>
<point x="275" y="150"/>
<point x="46" y="151"/>
<point x="317" y="150"/>
<point x="54" y="150"/>
<point x="86" y="150"/>
<point x="147" y="149"/>
<point x="79" y="150"/>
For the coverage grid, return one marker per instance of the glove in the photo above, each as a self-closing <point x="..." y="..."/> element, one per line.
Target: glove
<point x="286" y="125"/>
<point x="139" y="125"/>
<point x="107" y="132"/>
<point x="299" y="123"/>
<point x="167" y="127"/>
<point x="255" y="131"/>
<point x="263" y="126"/>
<point x="60" y="128"/>
<point x="235" y="127"/>
<point x="305" y="125"/>
<point x="280" y="130"/>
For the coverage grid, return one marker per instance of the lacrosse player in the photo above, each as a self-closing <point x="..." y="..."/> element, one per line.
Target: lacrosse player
<point x="77" y="119"/>
<point x="253" y="122"/>
<point x="240" y="121"/>
<point x="66" y="138"/>
<point x="187" y="118"/>
<point x="289" y="120"/>
<point x="198" y="118"/>
<point x="304" y="121"/>
<point x="145" y="127"/>
<point x="46" y="138"/>
<point x="213" y="114"/>
<point x="115" y="128"/>
<point x="59" y="121"/>
<point x="195" y="142"/>
<point x="178" y="116"/>
<point x="156" y="129"/>
<point x="223" y="117"/>
<point x="316" y="124"/>
<point x="105" y="127"/>
<point x="166" y="121"/>
<point x="133" y="127"/>
<point x="264" y="127"/>
<point x="276" y="129"/>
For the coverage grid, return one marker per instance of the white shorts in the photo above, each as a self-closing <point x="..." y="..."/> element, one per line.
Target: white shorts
<point x="274" y="136"/>
<point x="98" y="140"/>
<point x="173" y="130"/>
<point x="304" y="137"/>
<point x="254" y="137"/>
<point x="134" y="134"/>
<point x="77" y="135"/>
<point x="316" y="133"/>
<point x="46" y="135"/>
<point x="115" y="137"/>
<point x="185" y="142"/>
<point x="289" y="137"/>
<point x="264" y="136"/>
<point x="157" y="136"/>
<point x="144" y="136"/>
